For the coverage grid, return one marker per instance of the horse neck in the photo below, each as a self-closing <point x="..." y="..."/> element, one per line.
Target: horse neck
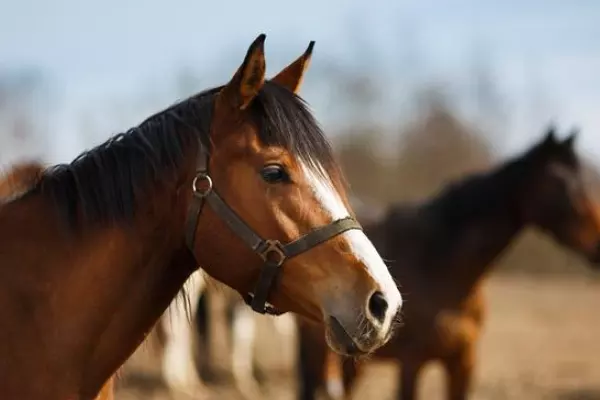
<point x="467" y="236"/>
<point x="156" y="276"/>
<point x="99" y="291"/>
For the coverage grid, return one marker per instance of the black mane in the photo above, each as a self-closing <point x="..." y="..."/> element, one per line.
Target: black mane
<point x="104" y="184"/>
<point x="477" y="195"/>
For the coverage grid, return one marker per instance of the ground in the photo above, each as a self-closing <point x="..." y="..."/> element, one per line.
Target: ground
<point x="542" y="341"/>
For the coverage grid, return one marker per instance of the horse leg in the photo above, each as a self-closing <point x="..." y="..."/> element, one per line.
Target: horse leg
<point x="243" y="331"/>
<point x="459" y="369"/>
<point x="340" y="375"/>
<point x="352" y="370"/>
<point x="409" y="379"/>
<point x="179" y="366"/>
<point x="334" y="375"/>
<point x="311" y="359"/>
<point x="202" y="326"/>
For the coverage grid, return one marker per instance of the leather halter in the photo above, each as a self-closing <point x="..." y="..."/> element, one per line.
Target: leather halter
<point x="273" y="252"/>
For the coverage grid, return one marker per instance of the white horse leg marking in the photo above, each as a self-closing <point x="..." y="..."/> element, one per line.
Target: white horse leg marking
<point x="335" y="388"/>
<point x="285" y="326"/>
<point x="178" y="367"/>
<point x="243" y="331"/>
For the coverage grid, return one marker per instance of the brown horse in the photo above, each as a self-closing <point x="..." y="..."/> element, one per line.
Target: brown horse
<point x="94" y="252"/>
<point x="442" y="250"/>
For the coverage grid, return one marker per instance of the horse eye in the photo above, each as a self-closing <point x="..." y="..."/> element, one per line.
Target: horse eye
<point x="274" y="173"/>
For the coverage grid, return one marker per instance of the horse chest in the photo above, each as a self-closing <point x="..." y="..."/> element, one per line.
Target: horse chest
<point x="437" y="333"/>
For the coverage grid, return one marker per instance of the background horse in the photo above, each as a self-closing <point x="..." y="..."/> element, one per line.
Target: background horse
<point x="92" y="255"/>
<point x="441" y="251"/>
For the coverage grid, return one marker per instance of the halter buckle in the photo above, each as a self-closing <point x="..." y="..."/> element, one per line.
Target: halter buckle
<point x="202" y="178"/>
<point x="270" y="248"/>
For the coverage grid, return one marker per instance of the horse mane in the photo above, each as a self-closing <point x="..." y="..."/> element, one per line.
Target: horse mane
<point x="105" y="183"/>
<point x="20" y="179"/>
<point x="477" y="195"/>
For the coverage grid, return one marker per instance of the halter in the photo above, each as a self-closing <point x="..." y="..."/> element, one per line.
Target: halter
<point x="273" y="252"/>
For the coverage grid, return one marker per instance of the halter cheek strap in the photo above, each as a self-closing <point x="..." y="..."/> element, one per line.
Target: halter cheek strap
<point x="273" y="252"/>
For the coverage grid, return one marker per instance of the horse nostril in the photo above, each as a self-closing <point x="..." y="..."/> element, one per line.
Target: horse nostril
<point x="378" y="306"/>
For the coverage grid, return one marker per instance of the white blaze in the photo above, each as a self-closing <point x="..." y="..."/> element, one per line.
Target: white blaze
<point x="360" y="246"/>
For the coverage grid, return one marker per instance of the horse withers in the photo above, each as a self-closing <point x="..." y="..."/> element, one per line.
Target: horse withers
<point x="239" y="180"/>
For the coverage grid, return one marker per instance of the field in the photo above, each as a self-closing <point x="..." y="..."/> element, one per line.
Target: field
<point x="542" y="341"/>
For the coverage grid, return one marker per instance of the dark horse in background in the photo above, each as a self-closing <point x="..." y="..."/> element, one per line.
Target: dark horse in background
<point x="442" y="249"/>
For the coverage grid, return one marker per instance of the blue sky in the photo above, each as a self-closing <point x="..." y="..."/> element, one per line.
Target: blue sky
<point x="99" y="55"/>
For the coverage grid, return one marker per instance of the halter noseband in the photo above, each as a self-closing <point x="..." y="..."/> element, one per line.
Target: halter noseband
<point x="273" y="252"/>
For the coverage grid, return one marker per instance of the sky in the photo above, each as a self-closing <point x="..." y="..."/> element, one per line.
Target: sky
<point x="98" y="56"/>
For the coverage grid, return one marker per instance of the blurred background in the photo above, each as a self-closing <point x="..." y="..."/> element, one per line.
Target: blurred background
<point x="412" y="94"/>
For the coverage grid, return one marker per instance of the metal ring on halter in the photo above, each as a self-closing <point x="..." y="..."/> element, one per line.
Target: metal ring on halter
<point x="198" y="192"/>
<point x="273" y="247"/>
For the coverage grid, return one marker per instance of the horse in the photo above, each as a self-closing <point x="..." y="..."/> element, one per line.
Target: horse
<point x="443" y="248"/>
<point x="93" y="254"/>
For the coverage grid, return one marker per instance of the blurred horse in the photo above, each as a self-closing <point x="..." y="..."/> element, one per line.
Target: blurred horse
<point x="441" y="251"/>
<point x="94" y="252"/>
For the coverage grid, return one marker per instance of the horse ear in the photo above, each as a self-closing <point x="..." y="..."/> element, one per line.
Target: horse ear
<point x="291" y="76"/>
<point x="550" y="135"/>
<point x="249" y="78"/>
<point x="570" y="140"/>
